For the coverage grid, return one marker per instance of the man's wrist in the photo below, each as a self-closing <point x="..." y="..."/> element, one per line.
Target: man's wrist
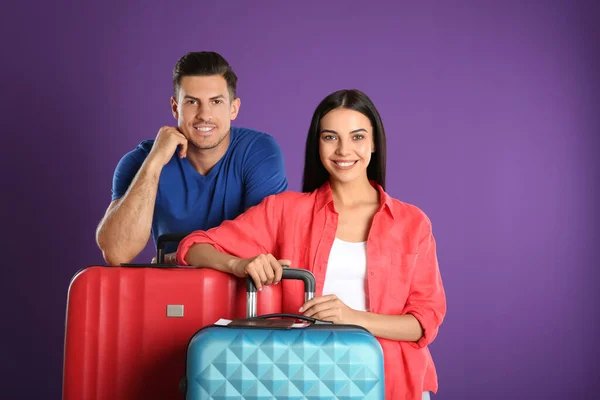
<point x="152" y="167"/>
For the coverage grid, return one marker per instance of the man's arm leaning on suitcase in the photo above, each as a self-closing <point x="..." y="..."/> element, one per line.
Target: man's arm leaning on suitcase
<point x="125" y="229"/>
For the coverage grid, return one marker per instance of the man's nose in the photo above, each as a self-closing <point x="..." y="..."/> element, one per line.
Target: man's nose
<point x="204" y="113"/>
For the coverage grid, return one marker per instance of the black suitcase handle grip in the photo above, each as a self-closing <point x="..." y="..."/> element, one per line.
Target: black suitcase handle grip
<point x="290" y="273"/>
<point x="293" y="316"/>
<point x="160" y="251"/>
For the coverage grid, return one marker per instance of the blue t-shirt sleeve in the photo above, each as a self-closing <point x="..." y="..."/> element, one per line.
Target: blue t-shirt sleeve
<point x="264" y="171"/>
<point x="126" y="170"/>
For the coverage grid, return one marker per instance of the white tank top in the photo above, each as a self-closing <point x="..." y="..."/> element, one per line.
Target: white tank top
<point x="345" y="277"/>
<point x="346" y="271"/>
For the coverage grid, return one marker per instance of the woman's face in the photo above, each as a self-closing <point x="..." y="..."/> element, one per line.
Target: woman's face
<point x="345" y="144"/>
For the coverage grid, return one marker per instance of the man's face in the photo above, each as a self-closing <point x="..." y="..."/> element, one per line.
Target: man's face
<point x="204" y="110"/>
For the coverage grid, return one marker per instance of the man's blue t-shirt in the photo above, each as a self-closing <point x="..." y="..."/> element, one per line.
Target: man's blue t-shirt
<point x="251" y="169"/>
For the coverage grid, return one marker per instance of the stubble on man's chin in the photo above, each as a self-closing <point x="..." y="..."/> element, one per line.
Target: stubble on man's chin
<point x="212" y="146"/>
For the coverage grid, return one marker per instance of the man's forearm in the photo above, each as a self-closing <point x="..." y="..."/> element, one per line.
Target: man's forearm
<point x="125" y="229"/>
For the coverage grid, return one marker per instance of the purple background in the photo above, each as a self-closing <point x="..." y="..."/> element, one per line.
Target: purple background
<point x="492" y="116"/>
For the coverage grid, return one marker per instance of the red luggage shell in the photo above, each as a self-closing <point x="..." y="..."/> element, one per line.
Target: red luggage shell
<point x="119" y="342"/>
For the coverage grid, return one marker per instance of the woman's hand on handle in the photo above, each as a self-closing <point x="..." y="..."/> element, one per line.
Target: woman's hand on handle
<point x="264" y="269"/>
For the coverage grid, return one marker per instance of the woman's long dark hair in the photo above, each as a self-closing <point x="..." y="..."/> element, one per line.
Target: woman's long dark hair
<point x="315" y="173"/>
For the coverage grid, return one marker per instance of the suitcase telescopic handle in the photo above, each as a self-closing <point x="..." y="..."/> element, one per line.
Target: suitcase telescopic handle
<point x="164" y="239"/>
<point x="288" y="273"/>
<point x="160" y="251"/>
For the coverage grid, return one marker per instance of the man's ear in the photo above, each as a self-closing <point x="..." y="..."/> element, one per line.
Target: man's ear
<point x="235" y="108"/>
<point x="174" y="108"/>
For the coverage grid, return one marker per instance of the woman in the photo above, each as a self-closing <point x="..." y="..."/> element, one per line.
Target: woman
<point x="373" y="256"/>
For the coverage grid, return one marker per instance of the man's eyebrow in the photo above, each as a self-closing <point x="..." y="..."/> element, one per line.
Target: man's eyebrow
<point x="220" y="96"/>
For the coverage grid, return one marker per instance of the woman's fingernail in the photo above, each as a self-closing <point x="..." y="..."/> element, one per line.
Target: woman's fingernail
<point x="260" y="289"/>
<point x="277" y="283"/>
<point x="300" y="310"/>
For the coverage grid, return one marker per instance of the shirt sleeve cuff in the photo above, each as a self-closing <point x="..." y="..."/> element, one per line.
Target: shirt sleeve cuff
<point x="198" y="237"/>
<point x="430" y="330"/>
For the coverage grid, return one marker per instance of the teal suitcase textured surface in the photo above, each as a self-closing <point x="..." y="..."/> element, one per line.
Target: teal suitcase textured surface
<point x="338" y="362"/>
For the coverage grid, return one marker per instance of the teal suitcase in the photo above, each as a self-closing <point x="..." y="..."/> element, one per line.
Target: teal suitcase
<point x="266" y="358"/>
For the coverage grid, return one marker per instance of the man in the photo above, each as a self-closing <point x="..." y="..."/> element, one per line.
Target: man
<point x="193" y="176"/>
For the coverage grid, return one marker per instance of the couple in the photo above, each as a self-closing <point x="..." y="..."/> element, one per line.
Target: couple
<point x="373" y="256"/>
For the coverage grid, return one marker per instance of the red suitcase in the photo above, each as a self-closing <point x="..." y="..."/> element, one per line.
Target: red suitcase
<point x="127" y="328"/>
